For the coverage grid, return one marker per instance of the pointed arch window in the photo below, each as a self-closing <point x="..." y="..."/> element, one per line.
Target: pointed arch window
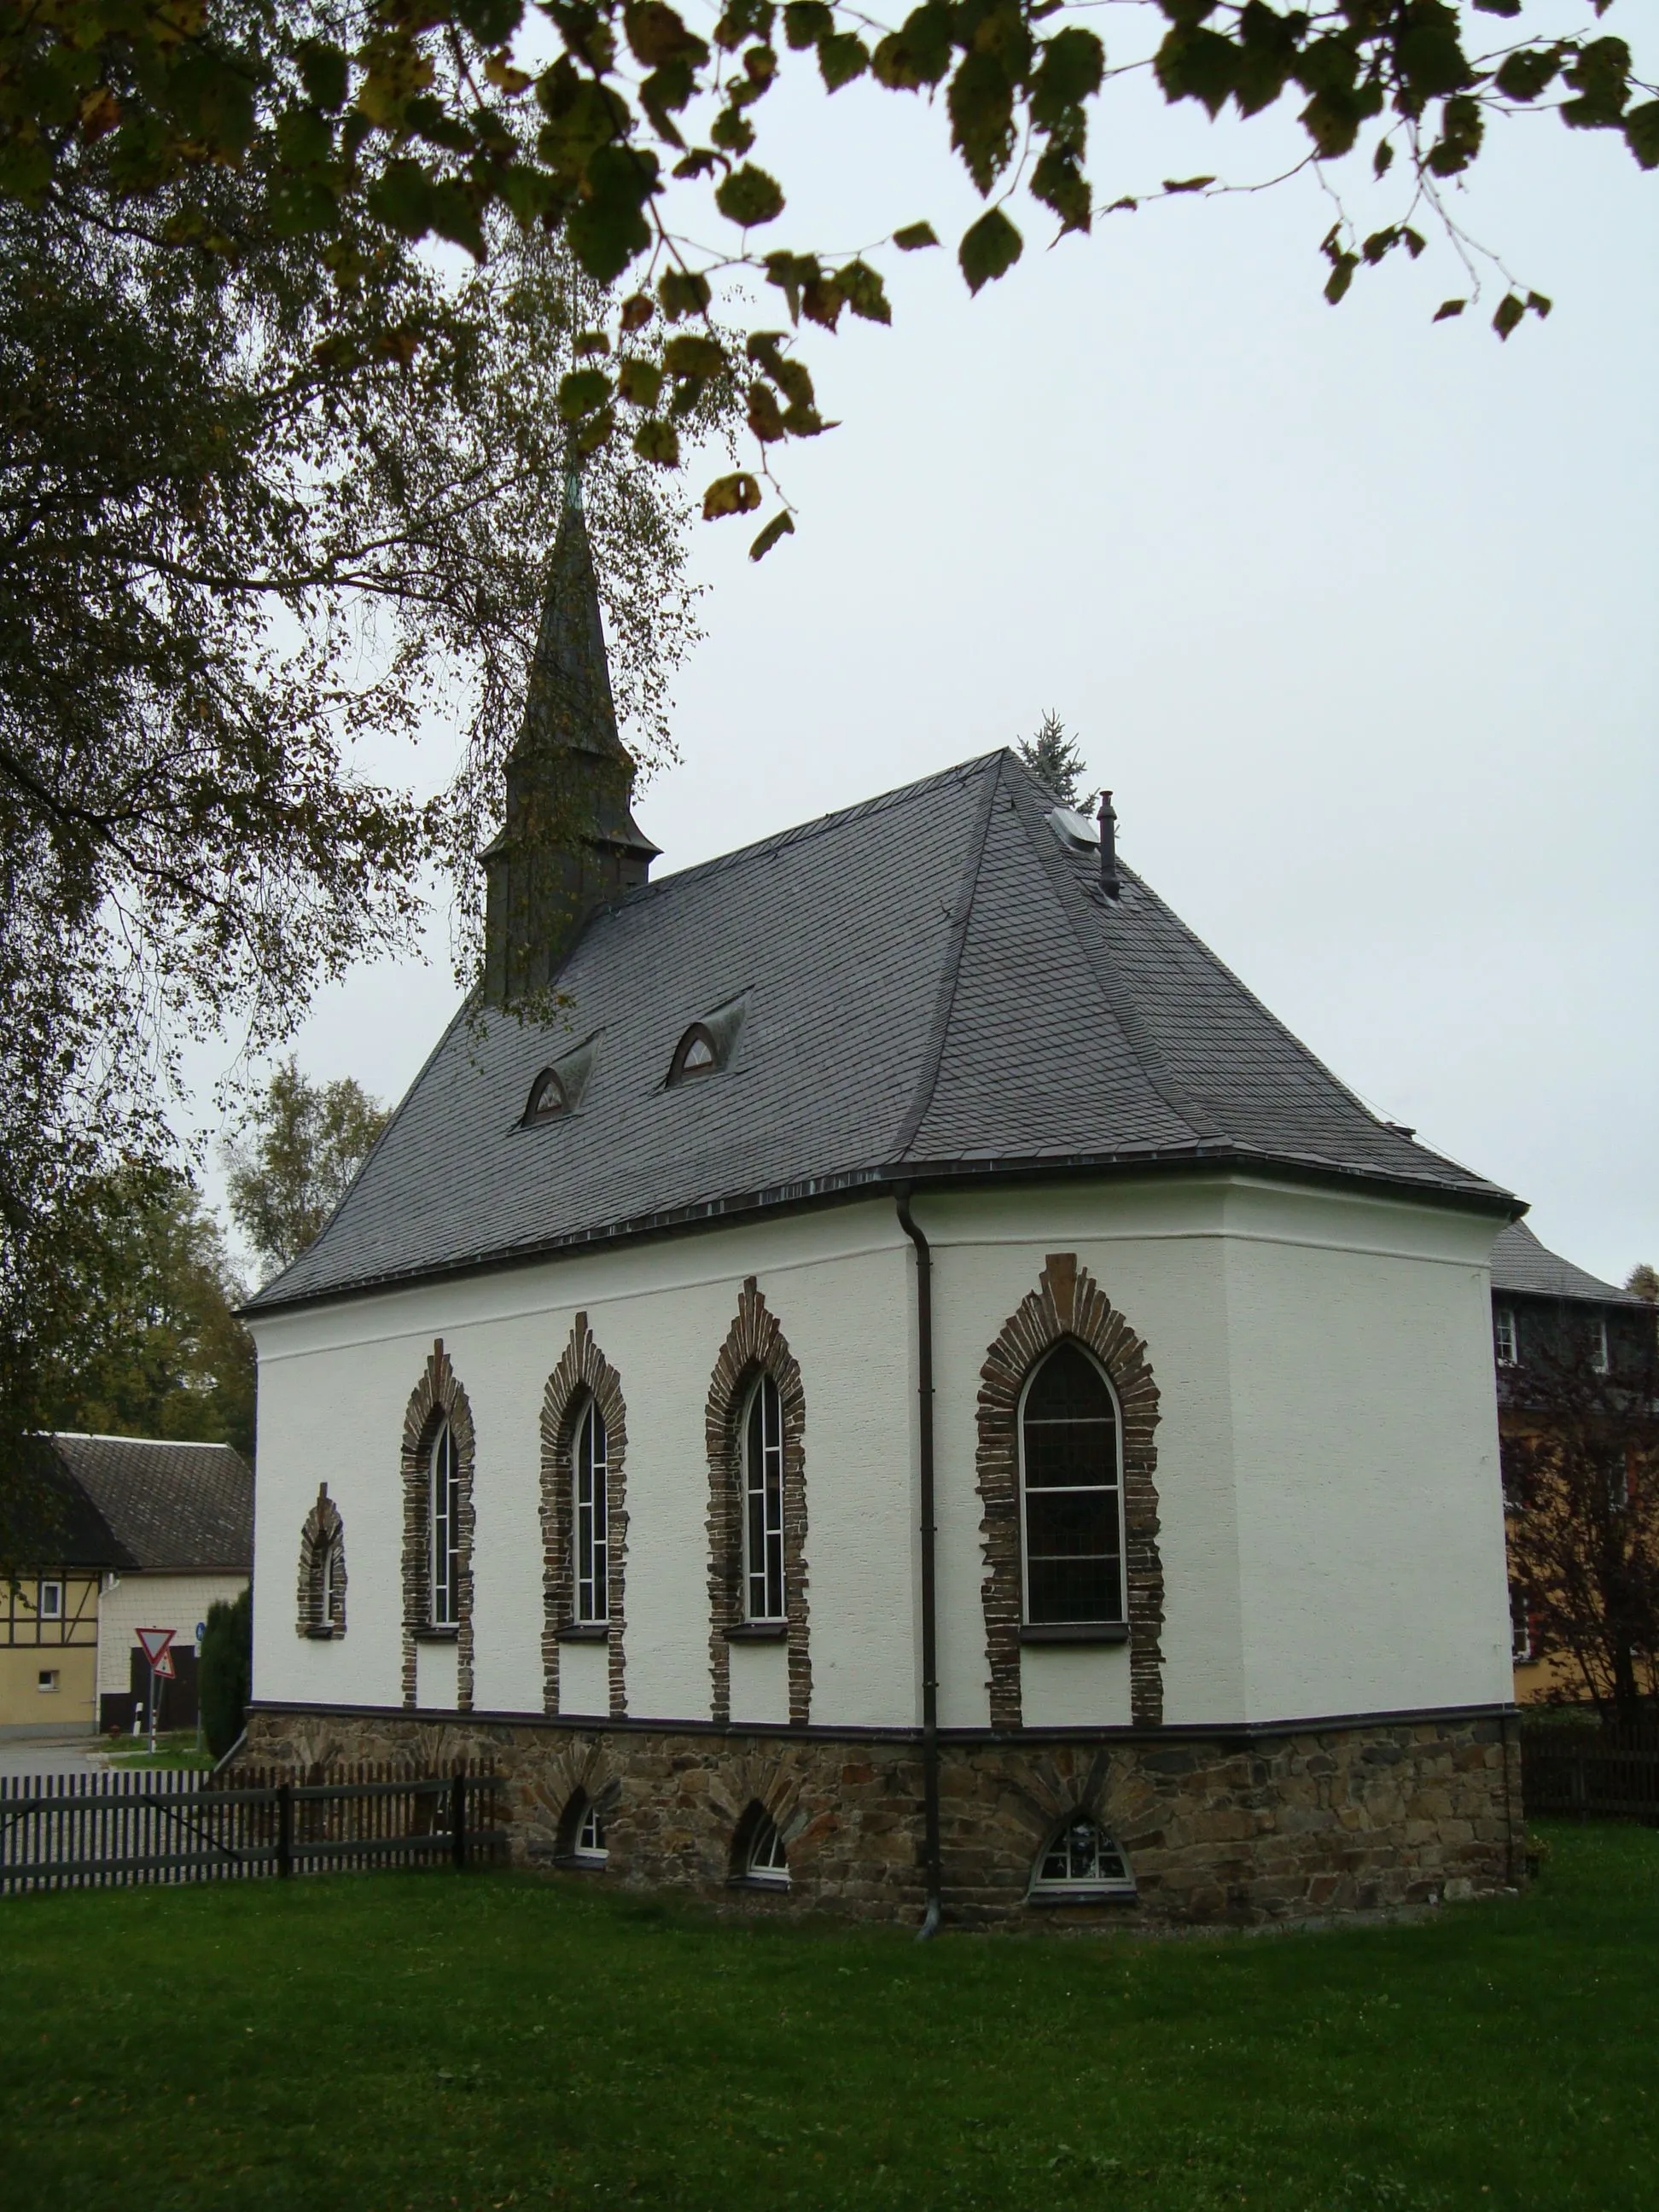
<point x="548" y="1098"/>
<point x="764" y="1860"/>
<point x="696" y="1054"/>
<point x="763" y="1501"/>
<point x="445" y="1528"/>
<point x="1072" y="1494"/>
<point x="589" y="1520"/>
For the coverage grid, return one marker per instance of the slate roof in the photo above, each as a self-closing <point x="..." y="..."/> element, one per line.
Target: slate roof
<point x="1522" y="1266"/>
<point x="143" y="1505"/>
<point x="933" y="987"/>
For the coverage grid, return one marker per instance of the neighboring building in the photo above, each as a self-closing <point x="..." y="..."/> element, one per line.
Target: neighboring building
<point x="900" y="1381"/>
<point x="153" y="1534"/>
<point x="1541" y="1303"/>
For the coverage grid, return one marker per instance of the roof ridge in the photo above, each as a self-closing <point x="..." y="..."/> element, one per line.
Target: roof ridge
<point x="111" y="1436"/>
<point x="950" y="969"/>
<point x="1117" y="1001"/>
<point x="781" y="839"/>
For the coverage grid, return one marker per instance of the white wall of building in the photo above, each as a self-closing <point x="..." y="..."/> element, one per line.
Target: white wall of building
<point x="1331" y="1523"/>
<point x="133" y="1601"/>
<point x="334" y="1384"/>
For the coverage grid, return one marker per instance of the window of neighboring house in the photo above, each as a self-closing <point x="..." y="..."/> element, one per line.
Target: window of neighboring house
<point x="1083" y="1861"/>
<point x="446" y="1517"/>
<point x="48" y="1679"/>
<point x="1599" y="1358"/>
<point x="763" y="1516"/>
<point x="1519" y="1628"/>
<point x="1070" y="1494"/>
<point x="766" y="1862"/>
<point x="589" y="1524"/>
<point x="51" y="1600"/>
<point x="1503" y="1335"/>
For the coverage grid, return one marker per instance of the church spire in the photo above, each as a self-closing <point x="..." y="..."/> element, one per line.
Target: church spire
<point x="569" y="844"/>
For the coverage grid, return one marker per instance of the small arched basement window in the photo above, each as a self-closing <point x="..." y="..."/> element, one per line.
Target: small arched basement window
<point x="695" y="1055"/>
<point x="1081" y="1860"/>
<point x="1071" y="1495"/>
<point x="763" y="1860"/>
<point x="548" y="1098"/>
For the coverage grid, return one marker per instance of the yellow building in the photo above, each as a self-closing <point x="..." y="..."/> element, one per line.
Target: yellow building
<point x="151" y="1533"/>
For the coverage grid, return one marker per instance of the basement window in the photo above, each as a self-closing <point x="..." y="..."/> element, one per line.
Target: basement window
<point x="766" y="1862"/>
<point x="47" y="1680"/>
<point x="591" y="1846"/>
<point x="1081" y="1863"/>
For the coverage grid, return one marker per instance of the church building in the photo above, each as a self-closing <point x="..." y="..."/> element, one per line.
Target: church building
<point x="870" y="1374"/>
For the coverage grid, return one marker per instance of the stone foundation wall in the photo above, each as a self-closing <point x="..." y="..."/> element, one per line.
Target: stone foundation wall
<point x="1231" y="1829"/>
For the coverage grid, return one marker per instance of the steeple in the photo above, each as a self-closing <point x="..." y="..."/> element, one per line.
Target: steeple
<point x="569" y="844"/>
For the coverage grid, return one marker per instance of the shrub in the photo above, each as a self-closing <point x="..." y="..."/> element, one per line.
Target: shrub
<point x="225" y="1670"/>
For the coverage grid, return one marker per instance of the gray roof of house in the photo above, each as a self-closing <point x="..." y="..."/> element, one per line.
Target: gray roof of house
<point x="162" y="1507"/>
<point x="930" y="984"/>
<point x="1522" y="1265"/>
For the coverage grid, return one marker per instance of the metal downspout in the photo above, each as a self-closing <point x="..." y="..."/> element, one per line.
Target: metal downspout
<point x="929" y="1583"/>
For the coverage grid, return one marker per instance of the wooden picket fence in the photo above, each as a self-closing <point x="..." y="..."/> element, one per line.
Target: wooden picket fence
<point x="1590" y="1773"/>
<point x="104" y="1830"/>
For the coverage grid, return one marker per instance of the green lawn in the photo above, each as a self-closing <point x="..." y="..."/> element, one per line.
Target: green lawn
<point x="174" y="1749"/>
<point x="439" y="2041"/>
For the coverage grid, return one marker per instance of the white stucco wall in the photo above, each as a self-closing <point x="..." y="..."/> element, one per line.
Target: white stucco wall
<point x="334" y="1384"/>
<point x="133" y="1601"/>
<point x="1331" y="1523"/>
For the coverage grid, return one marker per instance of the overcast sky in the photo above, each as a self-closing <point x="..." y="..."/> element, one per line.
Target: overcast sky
<point x="1354" y="612"/>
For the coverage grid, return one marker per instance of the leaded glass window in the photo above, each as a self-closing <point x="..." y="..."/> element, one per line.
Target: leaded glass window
<point x="1071" y="1493"/>
<point x="590" y="1523"/>
<point x="762" y="1518"/>
<point x="446" y="1510"/>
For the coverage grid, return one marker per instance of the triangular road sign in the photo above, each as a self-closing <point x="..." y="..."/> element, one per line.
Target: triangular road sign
<point x="164" y="1665"/>
<point x="154" y="1642"/>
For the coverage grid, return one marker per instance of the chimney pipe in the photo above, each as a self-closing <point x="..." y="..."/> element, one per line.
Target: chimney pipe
<point x="1109" y="881"/>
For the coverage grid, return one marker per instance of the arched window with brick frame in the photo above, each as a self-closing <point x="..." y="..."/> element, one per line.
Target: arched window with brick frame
<point x="439" y="1451"/>
<point x="322" y="1611"/>
<point x="584" y="1513"/>
<point x="1068" y="1306"/>
<point x="755" y="1427"/>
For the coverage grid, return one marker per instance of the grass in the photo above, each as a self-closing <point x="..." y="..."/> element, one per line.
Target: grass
<point x="438" y="2041"/>
<point x="174" y="1749"/>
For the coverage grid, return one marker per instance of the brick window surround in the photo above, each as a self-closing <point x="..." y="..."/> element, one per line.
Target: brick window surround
<point x="755" y="1345"/>
<point x="323" y="1534"/>
<point x="583" y="1372"/>
<point x="1068" y="1303"/>
<point x="438" y="1396"/>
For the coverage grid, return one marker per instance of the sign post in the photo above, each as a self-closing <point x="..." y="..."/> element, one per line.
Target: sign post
<point x="154" y="1642"/>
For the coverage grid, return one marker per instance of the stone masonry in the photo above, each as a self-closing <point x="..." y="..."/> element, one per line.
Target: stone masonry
<point x="1230" y="1828"/>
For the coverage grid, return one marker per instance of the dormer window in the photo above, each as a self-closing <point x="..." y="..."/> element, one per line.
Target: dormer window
<point x="548" y="1097"/>
<point x="695" y="1055"/>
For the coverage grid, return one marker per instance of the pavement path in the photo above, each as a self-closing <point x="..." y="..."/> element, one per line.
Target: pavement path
<point x="39" y="1755"/>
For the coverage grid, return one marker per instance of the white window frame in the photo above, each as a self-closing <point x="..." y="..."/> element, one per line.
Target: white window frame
<point x="766" y="1862"/>
<point x="46" y="1682"/>
<point x="1505" y="1337"/>
<point x="443" y="1514"/>
<point x="1600" y="1356"/>
<point x="590" y="1523"/>
<point x="765" y="1597"/>
<point x="50" y="1609"/>
<point x="1092" y="1489"/>
<point x="588" y="1844"/>
<point x="1095" y="1884"/>
<point x="325" y="1585"/>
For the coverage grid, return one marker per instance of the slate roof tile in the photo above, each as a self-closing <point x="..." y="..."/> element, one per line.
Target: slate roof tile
<point x="933" y="981"/>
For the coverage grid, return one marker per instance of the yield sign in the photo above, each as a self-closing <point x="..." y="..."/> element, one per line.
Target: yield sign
<point x="155" y="1642"/>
